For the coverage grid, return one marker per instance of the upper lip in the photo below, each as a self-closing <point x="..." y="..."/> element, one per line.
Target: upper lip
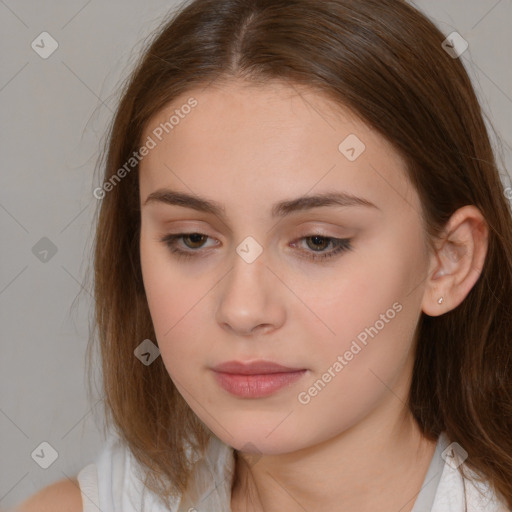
<point x="253" y="368"/>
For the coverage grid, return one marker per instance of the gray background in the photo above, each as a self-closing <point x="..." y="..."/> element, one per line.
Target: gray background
<point x="54" y="115"/>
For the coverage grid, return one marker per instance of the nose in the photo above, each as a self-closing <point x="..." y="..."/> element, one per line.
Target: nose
<point x="250" y="299"/>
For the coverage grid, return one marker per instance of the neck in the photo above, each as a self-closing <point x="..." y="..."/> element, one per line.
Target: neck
<point x="363" y="469"/>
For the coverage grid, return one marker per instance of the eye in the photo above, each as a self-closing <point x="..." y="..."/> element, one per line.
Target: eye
<point x="338" y="245"/>
<point x="195" y="241"/>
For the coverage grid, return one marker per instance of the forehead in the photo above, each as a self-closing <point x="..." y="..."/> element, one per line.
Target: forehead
<point x="272" y="140"/>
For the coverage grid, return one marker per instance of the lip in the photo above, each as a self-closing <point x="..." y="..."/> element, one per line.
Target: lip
<point x="257" y="379"/>
<point x="260" y="367"/>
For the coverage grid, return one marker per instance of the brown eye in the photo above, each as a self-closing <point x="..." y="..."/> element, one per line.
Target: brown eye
<point x="321" y="241"/>
<point x="196" y="238"/>
<point x="191" y="241"/>
<point x="316" y="249"/>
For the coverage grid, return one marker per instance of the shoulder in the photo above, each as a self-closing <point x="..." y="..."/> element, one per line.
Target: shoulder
<point x="459" y="487"/>
<point x="466" y="492"/>
<point x="106" y="477"/>
<point x="61" y="496"/>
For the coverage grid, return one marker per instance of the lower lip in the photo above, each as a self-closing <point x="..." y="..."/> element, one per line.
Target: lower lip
<point x="256" y="386"/>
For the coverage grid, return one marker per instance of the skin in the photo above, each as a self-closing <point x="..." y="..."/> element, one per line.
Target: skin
<point x="247" y="147"/>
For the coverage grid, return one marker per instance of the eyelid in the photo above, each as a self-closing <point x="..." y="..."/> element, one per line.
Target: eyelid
<point x="318" y="231"/>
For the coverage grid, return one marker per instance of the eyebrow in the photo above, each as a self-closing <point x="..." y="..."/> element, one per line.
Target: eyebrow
<point x="281" y="209"/>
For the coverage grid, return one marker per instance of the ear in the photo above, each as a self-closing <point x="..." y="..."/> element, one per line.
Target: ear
<point x="457" y="262"/>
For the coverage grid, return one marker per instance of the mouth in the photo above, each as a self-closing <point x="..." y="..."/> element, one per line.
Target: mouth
<point x="257" y="379"/>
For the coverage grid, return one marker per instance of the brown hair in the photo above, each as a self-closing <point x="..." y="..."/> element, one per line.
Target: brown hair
<point x="383" y="60"/>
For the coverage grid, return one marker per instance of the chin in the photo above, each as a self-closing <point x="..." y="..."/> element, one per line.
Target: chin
<point x="258" y="439"/>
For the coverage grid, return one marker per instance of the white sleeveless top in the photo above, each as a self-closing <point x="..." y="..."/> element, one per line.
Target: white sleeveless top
<point x="114" y="484"/>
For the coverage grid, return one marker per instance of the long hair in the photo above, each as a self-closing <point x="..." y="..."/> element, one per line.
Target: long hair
<point x="384" y="61"/>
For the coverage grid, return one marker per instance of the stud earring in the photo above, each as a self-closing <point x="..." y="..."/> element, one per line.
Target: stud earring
<point x="440" y="301"/>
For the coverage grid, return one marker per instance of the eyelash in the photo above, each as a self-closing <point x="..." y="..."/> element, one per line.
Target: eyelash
<point x="340" y="245"/>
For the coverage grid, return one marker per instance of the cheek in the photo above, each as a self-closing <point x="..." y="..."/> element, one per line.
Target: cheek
<point x="369" y="314"/>
<point x="177" y="321"/>
<point x="373" y="322"/>
<point x="174" y="300"/>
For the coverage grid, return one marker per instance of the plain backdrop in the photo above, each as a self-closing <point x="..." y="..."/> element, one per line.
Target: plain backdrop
<point x="54" y="113"/>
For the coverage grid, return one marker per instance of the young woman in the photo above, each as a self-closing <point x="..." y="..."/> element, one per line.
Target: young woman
<point x="303" y="270"/>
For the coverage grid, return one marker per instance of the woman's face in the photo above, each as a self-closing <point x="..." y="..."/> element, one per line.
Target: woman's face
<point x="249" y="288"/>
